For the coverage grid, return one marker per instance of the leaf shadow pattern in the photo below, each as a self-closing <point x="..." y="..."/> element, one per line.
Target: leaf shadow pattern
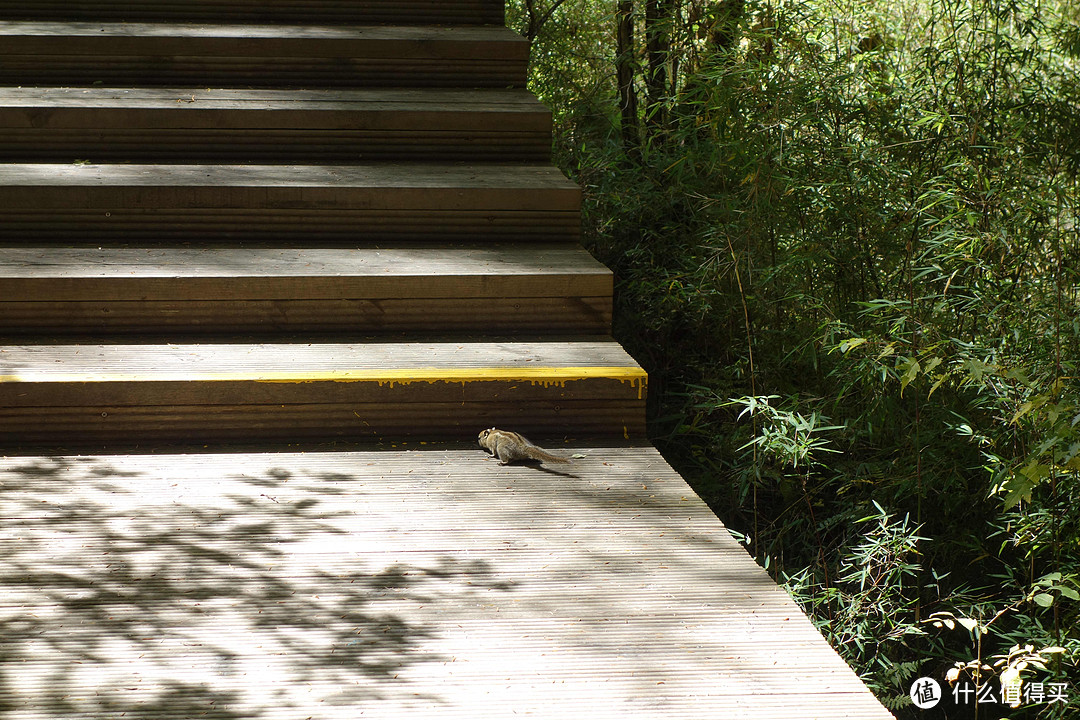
<point x="129" y="594"/>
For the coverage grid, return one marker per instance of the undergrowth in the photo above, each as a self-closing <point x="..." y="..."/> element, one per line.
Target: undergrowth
<point x="846" y="246"/>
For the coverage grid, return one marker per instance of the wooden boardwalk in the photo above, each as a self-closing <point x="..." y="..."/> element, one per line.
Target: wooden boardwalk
<point x="391" y="583"/>
<point x="253" y="223"/>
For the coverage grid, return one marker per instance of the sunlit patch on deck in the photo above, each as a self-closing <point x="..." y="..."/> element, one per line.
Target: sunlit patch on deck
<point x="390" y="583"/>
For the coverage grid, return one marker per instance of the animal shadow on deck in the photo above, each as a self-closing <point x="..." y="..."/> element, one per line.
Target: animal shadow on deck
<point x="536" y="465"/>
<point x="128" y="596"/>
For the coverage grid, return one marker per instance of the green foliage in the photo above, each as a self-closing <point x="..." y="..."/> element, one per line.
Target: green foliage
<point x="867" y="612"/>
<point x="868" y="212"/>
<point x="788" y="437"/>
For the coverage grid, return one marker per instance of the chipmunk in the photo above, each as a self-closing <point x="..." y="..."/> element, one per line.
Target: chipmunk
<point x="510" y="446"/>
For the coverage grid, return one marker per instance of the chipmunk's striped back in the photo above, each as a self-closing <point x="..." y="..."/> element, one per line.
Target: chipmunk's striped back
<point x="510" y="446"/>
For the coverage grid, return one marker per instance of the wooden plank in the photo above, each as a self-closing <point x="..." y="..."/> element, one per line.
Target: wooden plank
<point x="252" y="273"/>
<point x="155" y="54"/>
<point x="247" y="108"/>
<point x="244" y="124"/>
<point x="494" y="289"/>
<point x="335" y="147"/>
<point x="586" y="315"/>
<point x="421" y="12"/>
<point x="389" y="178"/>
<point x="117" y="427"/>
<point x="428" y="583"/>
<point x="336" y="106"/>
<point x="342" y="41"/>
<point x="239" y="386"/>
<point x="377" y="362"/>
<point x="374" y="202"/>
<point x="216" y="393"/>
<point x="291" y="225"/>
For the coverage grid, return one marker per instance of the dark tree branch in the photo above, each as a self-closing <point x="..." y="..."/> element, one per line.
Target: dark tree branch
<point x="538" y="19"/>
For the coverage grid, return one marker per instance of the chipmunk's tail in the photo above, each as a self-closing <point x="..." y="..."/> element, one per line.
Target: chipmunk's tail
<point x="537" y="454"/>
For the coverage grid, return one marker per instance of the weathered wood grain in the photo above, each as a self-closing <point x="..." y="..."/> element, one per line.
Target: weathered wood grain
<point x="338" y="126"/>
<point x="335" y="362"/>
<point x="213" y="393"/>
<point x="144" y="424"/>
<point x="68" y="106"/>
<point x="495" y="289"/>
<point x="581" y="315"/>
<point x="311" y="183"/>
<point x="423" y="12"/>
<point x="369" y="202"/>
<point x="268" y="273"/>
<point x="421" y="583"/>
<point x="201" y="55"/>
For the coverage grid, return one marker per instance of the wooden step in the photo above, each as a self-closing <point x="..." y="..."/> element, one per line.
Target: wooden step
<point x="237" y="125"/>
<point x="121" y="54"/>
<point x="214" y="393"/>
<point x="371" y="202"/>
<point x="492" y="289"/>
<point x="422" y="12"/>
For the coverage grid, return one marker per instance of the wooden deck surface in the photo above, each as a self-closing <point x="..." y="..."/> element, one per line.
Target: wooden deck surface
<point x="392" y="583"/>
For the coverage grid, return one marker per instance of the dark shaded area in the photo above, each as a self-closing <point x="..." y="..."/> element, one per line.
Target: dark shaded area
<point x="171" y="608"/>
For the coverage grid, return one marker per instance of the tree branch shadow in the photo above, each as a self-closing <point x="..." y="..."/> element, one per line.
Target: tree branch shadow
<point x="126" y="595"/>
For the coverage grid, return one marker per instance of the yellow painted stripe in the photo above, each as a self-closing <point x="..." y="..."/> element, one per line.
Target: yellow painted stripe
<point x="383" y="376"/>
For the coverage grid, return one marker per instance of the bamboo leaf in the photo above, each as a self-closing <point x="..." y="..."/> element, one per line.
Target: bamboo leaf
<point x="909" y="371"/>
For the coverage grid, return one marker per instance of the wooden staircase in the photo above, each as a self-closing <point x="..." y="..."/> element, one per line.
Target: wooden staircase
<point x="279" y="220"/>
<point x="271" y="222"/>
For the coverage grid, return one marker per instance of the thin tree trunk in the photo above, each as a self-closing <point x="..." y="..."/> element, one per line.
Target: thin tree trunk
<point x="624" y="70"/>
<point x="658" y="22"/>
